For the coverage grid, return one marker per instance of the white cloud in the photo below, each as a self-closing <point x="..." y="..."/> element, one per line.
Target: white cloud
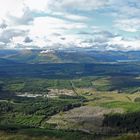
<point x="45" y="26"/>
<point x="53" y="23"/>
<point x="124" y="44"/>
<point x="7" y="34"/>
<point x="84" y="5"/>
<point x="13" y="7"/>
<point x="129" y="25"/>
<point x="75" y="17"/>
<point x="38" y="5"/>
<point x="25" y="18"/>
<point x="126" y="14"/>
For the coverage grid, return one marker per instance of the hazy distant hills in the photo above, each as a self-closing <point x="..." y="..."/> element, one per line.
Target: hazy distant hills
<point x="65" y="56"/>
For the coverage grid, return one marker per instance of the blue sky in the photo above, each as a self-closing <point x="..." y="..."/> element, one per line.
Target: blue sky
<point x="48" y="24"/>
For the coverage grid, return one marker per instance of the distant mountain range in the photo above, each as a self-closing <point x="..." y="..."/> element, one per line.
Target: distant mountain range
<point x="68" y="56"/>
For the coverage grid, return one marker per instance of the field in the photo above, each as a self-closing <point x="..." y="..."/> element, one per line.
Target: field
<point x="69" y="101"/>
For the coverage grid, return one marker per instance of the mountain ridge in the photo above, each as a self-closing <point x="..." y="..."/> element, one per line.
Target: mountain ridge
<point x="69" y="56"/>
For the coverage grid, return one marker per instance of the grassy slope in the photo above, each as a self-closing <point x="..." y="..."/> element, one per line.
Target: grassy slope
<point x="127" y="137"/>
<point x="40" y="134"/>
<point x="91" y="116"/>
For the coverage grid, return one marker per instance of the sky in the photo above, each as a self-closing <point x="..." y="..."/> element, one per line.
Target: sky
<point x="63" y="24"/>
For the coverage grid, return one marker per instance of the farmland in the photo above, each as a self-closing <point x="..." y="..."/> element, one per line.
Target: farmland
<point x="77" y="100"/>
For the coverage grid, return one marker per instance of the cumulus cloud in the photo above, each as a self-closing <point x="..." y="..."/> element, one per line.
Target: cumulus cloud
<point x="97" y="24"/>
<point x="7" y="35"/>
<point x="25" y="18"/>
<point x="126" y="14"/>
<point x="130" y="25"/>
<point x="28" y="40"/>
<point x="48" y="26"/>
<point x="124" y="44"/>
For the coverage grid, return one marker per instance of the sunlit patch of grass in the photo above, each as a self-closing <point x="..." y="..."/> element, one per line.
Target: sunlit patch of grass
<point x="99" y="98"/>
<point x="127" y="106"/>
